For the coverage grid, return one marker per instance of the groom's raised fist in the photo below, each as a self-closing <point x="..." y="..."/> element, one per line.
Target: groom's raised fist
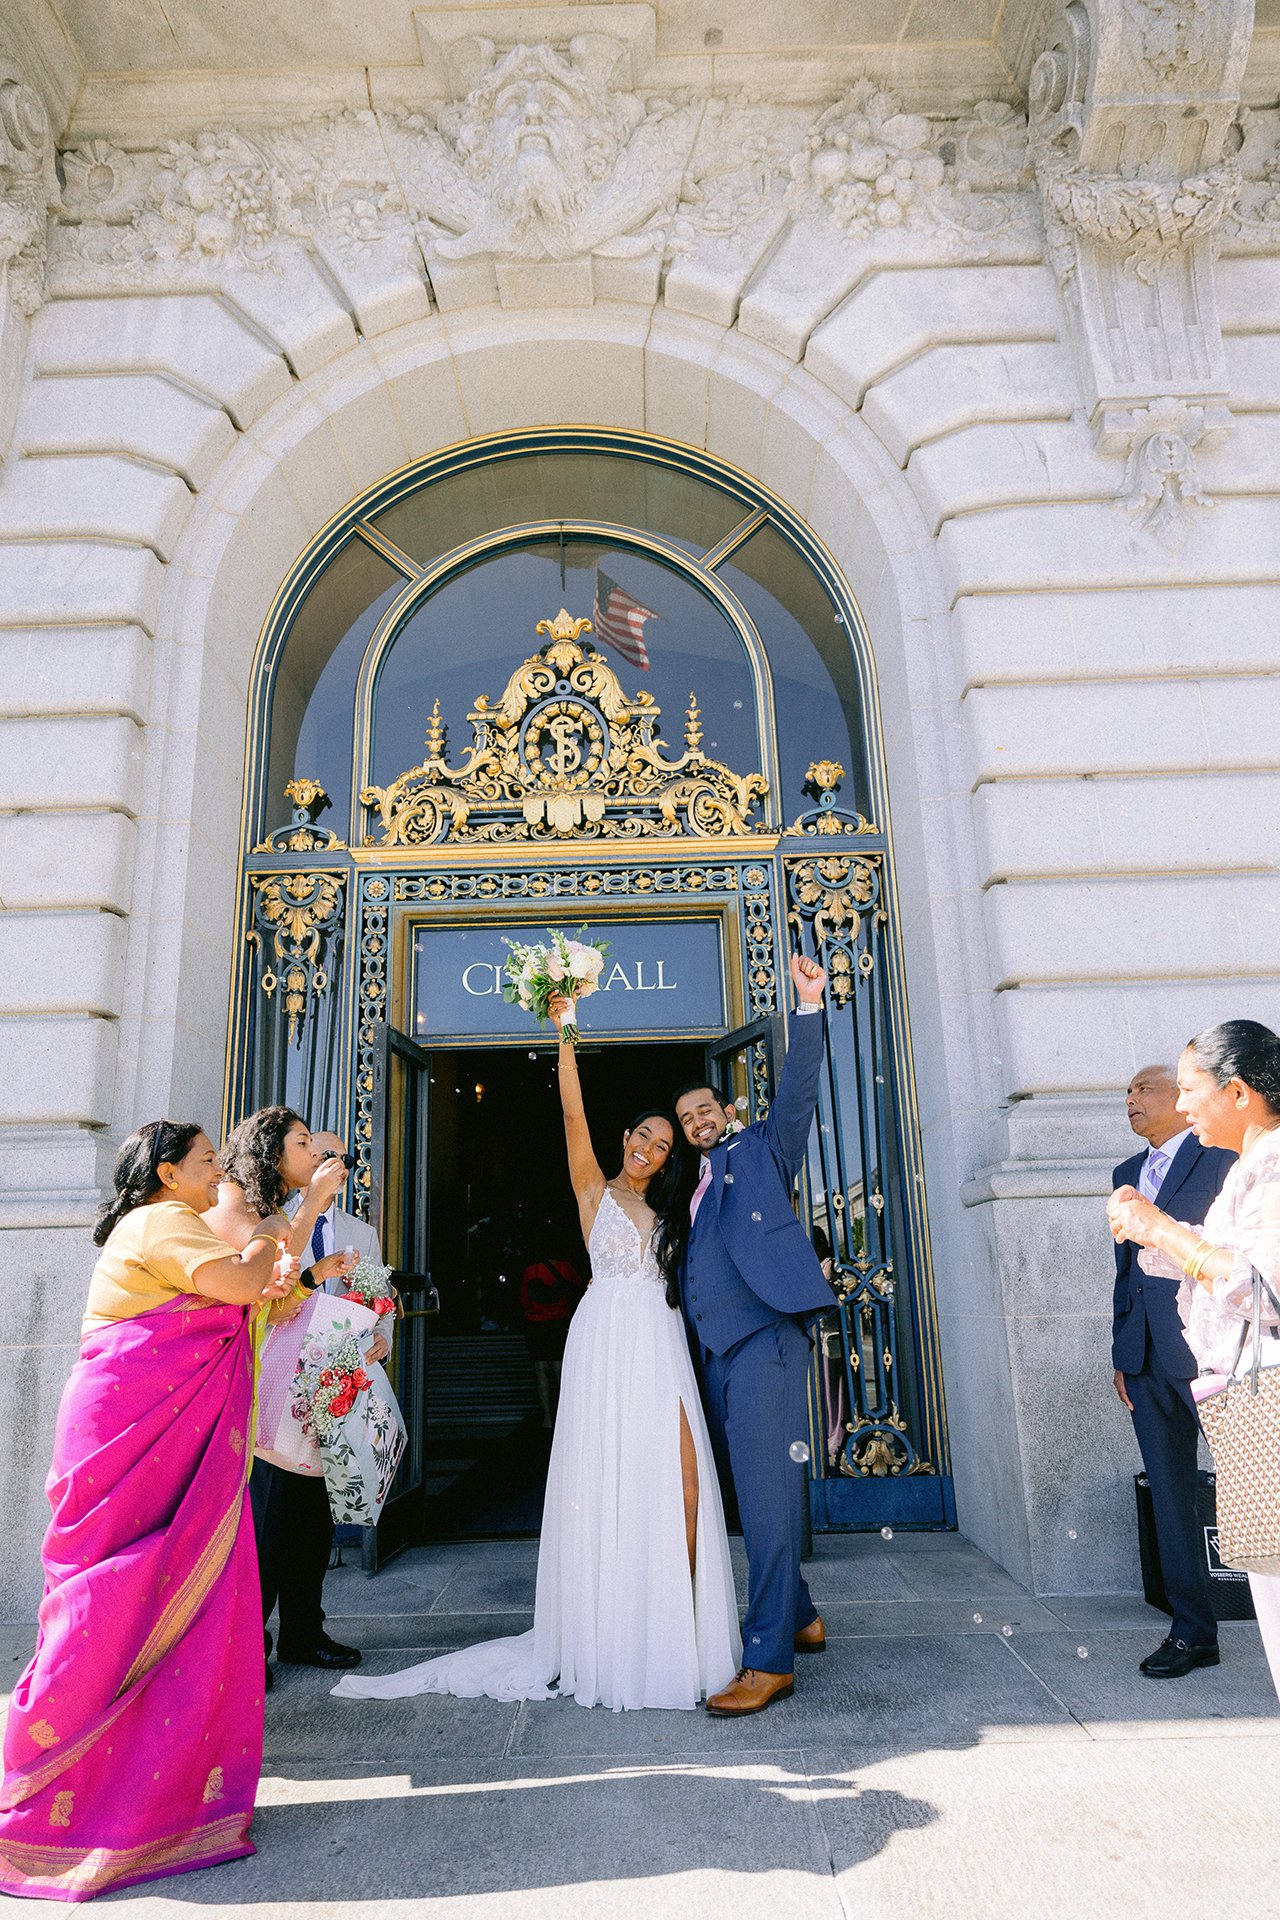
<point x="808" y="979"/>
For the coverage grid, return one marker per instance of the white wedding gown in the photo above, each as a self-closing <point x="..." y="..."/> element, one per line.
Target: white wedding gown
<point x="616" y="1620"/>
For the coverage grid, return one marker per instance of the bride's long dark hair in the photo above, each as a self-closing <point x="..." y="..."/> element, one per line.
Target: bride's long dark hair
<point x="668" y="1195"/>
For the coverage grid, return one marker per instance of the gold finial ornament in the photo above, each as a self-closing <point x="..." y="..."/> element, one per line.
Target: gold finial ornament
<point x="307" y="795"/>
<point x="823" y="776"/>
<point x="565" y="753"/>
<point x="564" y="633"/>
<point x="435" y="734"/>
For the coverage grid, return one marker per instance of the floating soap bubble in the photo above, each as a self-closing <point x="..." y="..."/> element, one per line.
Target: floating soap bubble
<point x="977" y="1619"/>
<point x="533" y="1056"/>
<point x="1072" y="1534"/>
<point x="1082" y="1653"/>
<point x="1007" y="1631"/>
<point x="886" y="1533"/>
<point x="799" y="1452"/>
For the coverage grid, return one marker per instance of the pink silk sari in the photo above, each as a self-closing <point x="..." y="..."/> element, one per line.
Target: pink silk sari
<point x="134" y="1740"/>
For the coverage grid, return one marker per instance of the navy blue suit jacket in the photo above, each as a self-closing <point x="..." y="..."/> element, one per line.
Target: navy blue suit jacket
<point x="749" y="1259"/>
<point x="1145" y="1306"/>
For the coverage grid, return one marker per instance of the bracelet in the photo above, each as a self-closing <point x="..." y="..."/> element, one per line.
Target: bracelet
<point x="275" y="1241"/>
<point x="1200" y="1258"/>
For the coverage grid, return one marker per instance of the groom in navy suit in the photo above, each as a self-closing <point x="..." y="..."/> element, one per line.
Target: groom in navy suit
<point x="1154" y="1365"/>
<point x="750" y="1285"/>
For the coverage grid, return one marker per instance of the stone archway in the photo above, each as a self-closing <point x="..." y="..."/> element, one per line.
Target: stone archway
<point x="439" y="381"/>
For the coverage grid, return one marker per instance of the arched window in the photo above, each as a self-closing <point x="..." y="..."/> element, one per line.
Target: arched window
<point x="425" y="594"/>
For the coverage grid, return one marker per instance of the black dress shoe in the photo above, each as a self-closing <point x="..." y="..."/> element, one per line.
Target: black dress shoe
<point x="326" y="1653"/>
<point x="1174" y="1659"/>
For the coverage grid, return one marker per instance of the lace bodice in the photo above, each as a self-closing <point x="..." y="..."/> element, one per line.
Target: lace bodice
<point x="619" y="1256"/>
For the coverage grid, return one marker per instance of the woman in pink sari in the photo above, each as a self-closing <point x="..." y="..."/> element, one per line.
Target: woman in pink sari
<point x="134" y="1739"/>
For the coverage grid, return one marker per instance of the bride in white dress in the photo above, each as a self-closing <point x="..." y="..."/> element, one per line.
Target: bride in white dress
<point x="635" y="1600"/>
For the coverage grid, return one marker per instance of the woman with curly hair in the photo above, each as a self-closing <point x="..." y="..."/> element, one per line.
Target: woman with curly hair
<point x="267" y="1159"/>
<point x="134" y="1739"/>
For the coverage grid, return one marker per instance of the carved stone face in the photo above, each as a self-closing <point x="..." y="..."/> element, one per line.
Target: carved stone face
<point x="536" y="135"/>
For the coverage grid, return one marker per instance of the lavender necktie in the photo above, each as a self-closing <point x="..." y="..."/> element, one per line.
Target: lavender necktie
<point x="703" y="1183"/>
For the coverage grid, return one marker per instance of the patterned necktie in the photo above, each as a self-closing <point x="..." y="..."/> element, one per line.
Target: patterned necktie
<point x="703" y="1183"/>
<point x="317" y="1239"/>
<point x="1156" y="1168"/>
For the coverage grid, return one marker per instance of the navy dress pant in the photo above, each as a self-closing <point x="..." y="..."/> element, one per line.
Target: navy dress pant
<point x="293" y="1526"/>
<point x="757" y="1406"/>
<point x="1165" y="1422"/>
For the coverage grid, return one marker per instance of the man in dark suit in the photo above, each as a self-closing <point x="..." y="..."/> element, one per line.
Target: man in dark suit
<point x="750" y="1284"/>
<point x="1154" y="1365"/>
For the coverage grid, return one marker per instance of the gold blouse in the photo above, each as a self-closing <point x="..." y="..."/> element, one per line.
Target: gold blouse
<point x="152" y="1256"/>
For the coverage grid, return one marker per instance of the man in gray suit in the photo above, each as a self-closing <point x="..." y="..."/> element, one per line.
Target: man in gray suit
<point x="291" y="1516"/>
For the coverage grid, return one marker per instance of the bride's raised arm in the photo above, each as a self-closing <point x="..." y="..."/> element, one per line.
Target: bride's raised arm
<point x="585" y="1173"/>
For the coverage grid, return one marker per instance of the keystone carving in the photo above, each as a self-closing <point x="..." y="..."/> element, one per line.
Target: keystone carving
<point x="544" y="157"/>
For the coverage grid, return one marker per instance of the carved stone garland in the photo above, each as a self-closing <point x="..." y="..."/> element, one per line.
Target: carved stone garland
<point x="565" y="755"/>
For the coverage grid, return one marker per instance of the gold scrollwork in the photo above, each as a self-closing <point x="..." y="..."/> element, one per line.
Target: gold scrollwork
<point x="833" y="891"/>
<point x="300" y="913"/>
<point x="565" y="754"/>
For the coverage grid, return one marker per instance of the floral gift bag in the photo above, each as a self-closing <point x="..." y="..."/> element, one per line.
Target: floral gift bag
<point x="324" y="1409"/>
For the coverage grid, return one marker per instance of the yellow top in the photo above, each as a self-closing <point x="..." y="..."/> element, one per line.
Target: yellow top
<point x="151" y="1256"/>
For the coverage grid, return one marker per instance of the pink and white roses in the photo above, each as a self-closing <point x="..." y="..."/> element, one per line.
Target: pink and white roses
<point x="536" y="975"/>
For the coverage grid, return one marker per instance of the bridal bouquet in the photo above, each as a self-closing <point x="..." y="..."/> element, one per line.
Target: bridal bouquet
<point x="368" y="1285"/>
<point x="330" y="1375"/>
<point x="346" y="1414"/>
<point x="536" y="974"/>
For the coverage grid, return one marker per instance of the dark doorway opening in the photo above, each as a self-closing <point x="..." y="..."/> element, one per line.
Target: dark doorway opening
<point x="500" y="1204"/>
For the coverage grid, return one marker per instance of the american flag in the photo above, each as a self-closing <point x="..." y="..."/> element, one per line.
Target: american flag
<point x="619" y="621"/>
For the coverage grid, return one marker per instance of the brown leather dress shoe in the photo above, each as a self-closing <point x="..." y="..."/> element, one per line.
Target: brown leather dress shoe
<point x="812" y="1639"/>
<point x="750" y="1692"/>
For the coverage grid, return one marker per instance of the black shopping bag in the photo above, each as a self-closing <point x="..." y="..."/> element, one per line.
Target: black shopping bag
<point x="1228" y="1587"/>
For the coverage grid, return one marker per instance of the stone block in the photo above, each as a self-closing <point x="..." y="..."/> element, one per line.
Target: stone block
<point x="385" y="290"/>
<point x="1248" y="293"/>
<point x="50" y="670"/>
<point x="1132" y="926"/>
<point x="1253" y="372"/>
<point x="1020" y="549"/>
<point x="59" y="1071"/>
<point x="139" y="414"/>
<point x="66" y="860"/>
<point x="898" y="315"/>
<point x="1055" y="461"/>
<point x="424" y="394"/>
<point x="954" y="387"/>
<point x="742" y="385"/>
<point x="296" y="310"/>
<point x="93" y="498"/>
<point x="71" y="582"/>
<point x="679" y="354"/>
<point x="192" y="338"/>
<point x="1084" y="1039"/>
<point x="1119" y="727"/>
<point x="60" y="963"/>
<point x="72" y="763"/>
<point x="1105" y="634"/>
<point x="51" y="1266"/>
<point x="578" y="368"/>
<point x="1191" y="823"/>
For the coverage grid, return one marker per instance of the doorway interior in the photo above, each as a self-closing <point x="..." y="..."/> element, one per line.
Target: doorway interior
<point x="500" y="1202"/>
